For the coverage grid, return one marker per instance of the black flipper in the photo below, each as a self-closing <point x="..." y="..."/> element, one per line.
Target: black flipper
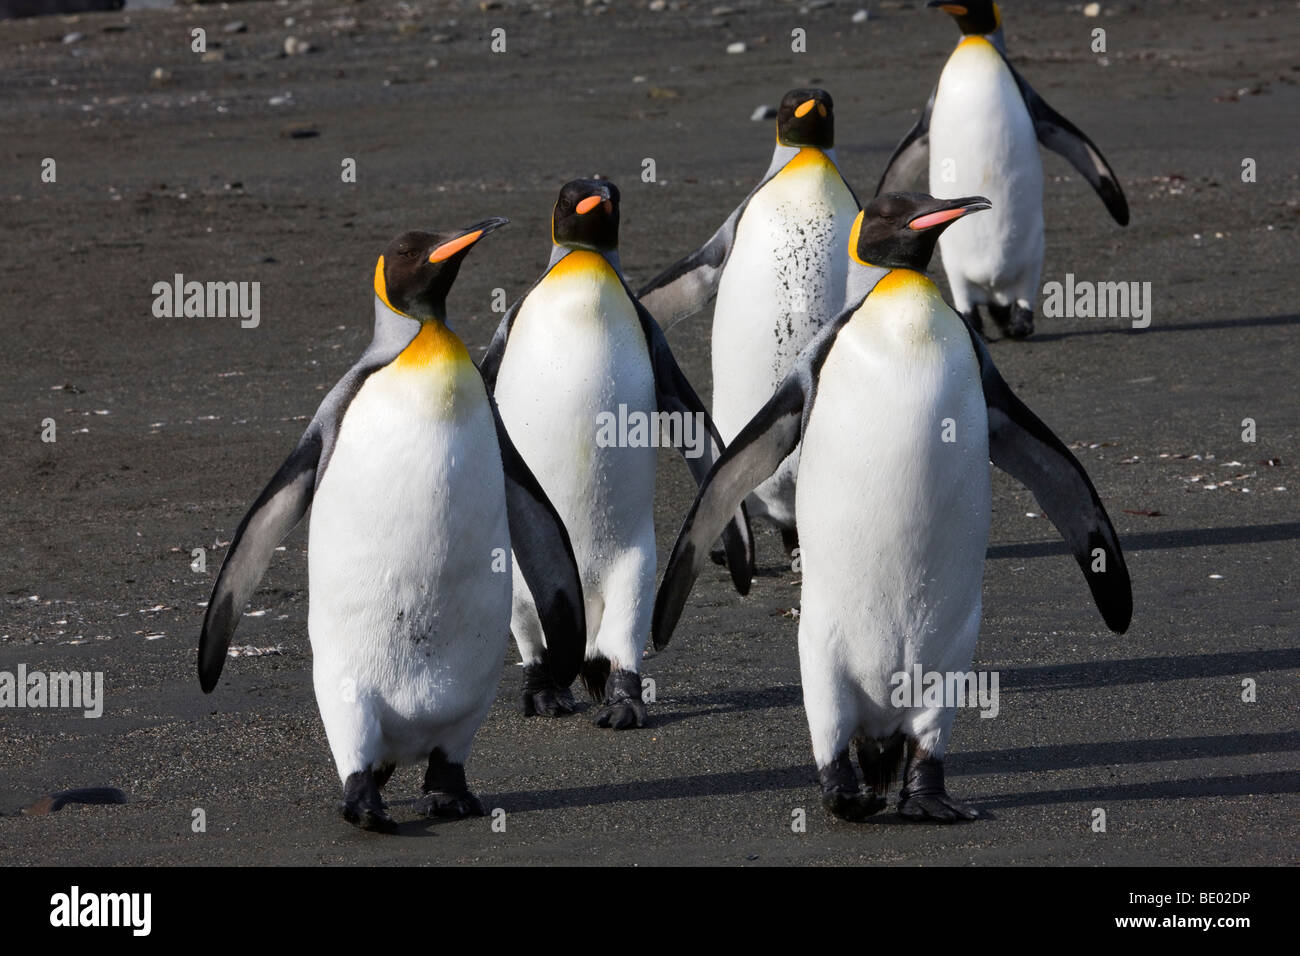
<point x="277" y="509"/>
<point x="541" y="546"/>
<point x="687" y="285"/>
<point x="1025" y="448"/>
<point x="912" y="155"/>
<point x="751" y="458"/>
<point x="1061" y="136"/>
<point x="674" y="393"/>
<point x="748" y="461"/>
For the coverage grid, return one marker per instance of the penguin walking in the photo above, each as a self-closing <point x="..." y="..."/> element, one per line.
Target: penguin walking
<point x="577" y="350"/>
<point x="899" y="409"/>
<point x="981" y="129"/>
<point x="778" y="267"/>
<point x="417" y="497"/>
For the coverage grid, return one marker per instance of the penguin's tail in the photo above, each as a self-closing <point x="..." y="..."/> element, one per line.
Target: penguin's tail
<point x="881" y="760"/>
<point x="595" y="674"/>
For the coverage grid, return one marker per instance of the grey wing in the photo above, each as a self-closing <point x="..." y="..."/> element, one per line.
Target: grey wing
<point x="542" y="547"/>
<point x="1025" y="448"/>
<point x="273" y="515"/>
<point x="1061" y="136"/>
<point x="912" y="155"/>
<point x="674" y="393"/>
<point x="687" y="285"/>
<point x="752" y="457"/>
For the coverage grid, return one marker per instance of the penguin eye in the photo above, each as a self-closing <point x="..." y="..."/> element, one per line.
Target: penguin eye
<point x="406" y="252"/>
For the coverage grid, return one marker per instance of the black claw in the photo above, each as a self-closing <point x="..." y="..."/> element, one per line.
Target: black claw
<point x="362" y="806"/>
<point x="843" y="795"/>
<point x="924" y="796"/>
<point x="453" y="806"/>
<point x="622" y="708"/>
<point x="446" y="794"/>
<point x="542" y="697"/>
<point x="1022" y="323"/>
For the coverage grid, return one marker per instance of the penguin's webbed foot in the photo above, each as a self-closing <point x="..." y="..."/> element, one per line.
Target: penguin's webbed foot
<point x="446" y="794"/>
<point x="924" y="796"/>
<point x="454" y="806"/>
<point x="362" y="806"/>
<point x="541" y="696"/>
<point x="1022" y="322"/>
<point x="622" y="708"/>
<point x="842" y="794"/>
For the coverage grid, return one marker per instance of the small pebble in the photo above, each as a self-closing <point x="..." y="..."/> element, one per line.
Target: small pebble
<point x="737" y="47"/>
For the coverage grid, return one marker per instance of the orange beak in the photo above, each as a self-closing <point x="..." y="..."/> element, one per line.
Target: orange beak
<point x="804" y="108"/>
<point x="449" y="249"/>
<point x="588" y="204"/>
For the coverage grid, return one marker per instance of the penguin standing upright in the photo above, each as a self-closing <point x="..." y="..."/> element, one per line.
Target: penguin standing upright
<point x="778" y="266"/>
<point x="576" y="349"/>
<point x="417" y="497"/>
<point x="981" y="129"/>
<point x="899" y="409"/>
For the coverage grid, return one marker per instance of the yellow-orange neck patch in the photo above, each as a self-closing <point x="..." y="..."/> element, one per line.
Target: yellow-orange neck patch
<point x="974" y="42"/>
<point x="808" y="157"/>
<point x="581" y="262"/>
<point x="903" y="281"/>
<point x="435" y="344"/>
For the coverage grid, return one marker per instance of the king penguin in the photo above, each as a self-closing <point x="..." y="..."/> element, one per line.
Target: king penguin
<point x="778" y="266"/>
<point x="899" y="409"/>
<point x="417" y="497"/>
<point x="981" y="129"/>
<point x="575" y="349"/>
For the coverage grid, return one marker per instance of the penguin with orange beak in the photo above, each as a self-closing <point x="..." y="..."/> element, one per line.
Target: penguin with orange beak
<point x="587" y="384"/>
<point x="779" y="267"/>
<point x="899" y="409"/>
<point x="981" y="130"/>
<point x="417" y="498"/>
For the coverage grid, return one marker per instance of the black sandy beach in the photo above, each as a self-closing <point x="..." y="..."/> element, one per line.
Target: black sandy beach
<point x="227" y="167"/>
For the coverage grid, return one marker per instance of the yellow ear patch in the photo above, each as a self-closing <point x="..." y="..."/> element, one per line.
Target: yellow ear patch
<point x="804" y="108"/>
<point x="853" y="238"/>
<point x="381" y="286"/>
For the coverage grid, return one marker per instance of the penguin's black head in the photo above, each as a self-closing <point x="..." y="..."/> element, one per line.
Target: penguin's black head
<point x="975" y="17"/>
<point x="586" y="215"/>
<point x="806" y="118"/>
<point x="899" y="230"/>
<point x="416" y="271"/>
